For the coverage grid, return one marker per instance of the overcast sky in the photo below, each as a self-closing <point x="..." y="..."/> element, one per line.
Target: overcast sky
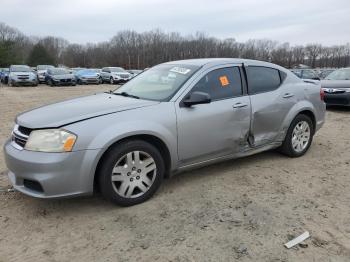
<point x="81" y="21"/>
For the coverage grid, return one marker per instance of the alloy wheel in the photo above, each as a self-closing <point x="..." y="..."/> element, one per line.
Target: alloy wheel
<point x="133" y="174"/>
<point x="301" y="136"/>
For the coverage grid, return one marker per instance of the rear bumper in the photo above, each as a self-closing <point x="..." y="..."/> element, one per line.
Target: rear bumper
<point x="341" y="99"/>
<point x="51" y="175"/>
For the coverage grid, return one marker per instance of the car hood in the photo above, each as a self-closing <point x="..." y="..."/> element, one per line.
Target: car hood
<point x="121" y="73"/>
<point x="78" y="109"/>
<point x="88" y="75"/>
<point x="22" y="74"/>
<point x="335" y="83"/>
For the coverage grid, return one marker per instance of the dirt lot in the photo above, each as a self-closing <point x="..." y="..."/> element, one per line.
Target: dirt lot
<point x="238" y="210"/>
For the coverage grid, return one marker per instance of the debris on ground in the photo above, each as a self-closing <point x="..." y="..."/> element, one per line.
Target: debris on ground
<point x="297" y="240"/>
<point x="7" y="190"/>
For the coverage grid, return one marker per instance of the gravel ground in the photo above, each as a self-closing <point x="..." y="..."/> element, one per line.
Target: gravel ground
<point x="243" y="210"/>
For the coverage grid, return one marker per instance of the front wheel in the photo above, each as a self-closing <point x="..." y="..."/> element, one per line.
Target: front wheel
<point x="299" y="137"/>
<point x="131" y="172"/>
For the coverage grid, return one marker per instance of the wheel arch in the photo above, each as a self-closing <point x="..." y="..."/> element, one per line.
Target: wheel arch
<point x="304" y="108"/>
<point x="150" y="138"/>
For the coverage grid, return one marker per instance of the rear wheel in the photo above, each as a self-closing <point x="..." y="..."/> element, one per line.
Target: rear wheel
<point x="299" y="137"/>
<point x="131" y="172"/>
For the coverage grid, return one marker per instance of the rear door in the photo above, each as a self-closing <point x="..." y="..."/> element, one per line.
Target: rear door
<point x="271" y="100"/>
<point x="220" y="128"/>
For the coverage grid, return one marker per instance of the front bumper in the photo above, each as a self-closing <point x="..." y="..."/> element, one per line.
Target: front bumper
<point x="120" y="80"/>
<point x="63" y="82"/>
<point x="338" y="99"/>
<point x="41" y="78"/>
<point x="24" y="82"/>
<point x="51" y="175"/>
<point x="90" y="81"/>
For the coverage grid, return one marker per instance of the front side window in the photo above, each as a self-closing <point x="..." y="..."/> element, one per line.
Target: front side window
<point x="262" y="79"/>
<point x="221" y="83"/>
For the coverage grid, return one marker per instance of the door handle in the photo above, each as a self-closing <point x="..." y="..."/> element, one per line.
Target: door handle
<point x="288" y="95"/>
<point x="239" y="105"/>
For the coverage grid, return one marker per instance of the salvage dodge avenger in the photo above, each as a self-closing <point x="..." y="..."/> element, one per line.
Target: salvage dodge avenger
<point x="172" y="117"/>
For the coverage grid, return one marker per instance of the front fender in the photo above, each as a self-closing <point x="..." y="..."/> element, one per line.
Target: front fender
<point x="101" y="132"/>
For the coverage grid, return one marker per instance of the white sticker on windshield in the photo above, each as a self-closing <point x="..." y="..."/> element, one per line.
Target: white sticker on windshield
<point x="180" y="70"/>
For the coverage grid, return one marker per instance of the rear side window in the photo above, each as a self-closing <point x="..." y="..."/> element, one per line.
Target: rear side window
<point x="221" y="83"/>
<point x="262" y="79"/>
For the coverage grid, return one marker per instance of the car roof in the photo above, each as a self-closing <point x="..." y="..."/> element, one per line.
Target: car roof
<point x="208" y="62"/>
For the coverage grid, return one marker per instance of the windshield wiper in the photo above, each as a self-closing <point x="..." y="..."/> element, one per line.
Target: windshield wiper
<point x="126" y="95"/>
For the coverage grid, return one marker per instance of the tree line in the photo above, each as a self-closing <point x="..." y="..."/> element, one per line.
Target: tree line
<point x="131" y="49"/>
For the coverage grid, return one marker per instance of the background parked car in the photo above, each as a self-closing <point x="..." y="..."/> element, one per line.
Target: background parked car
<point x="115" y="75"/>
<point x="336" y="87"/>
<point x="22" y="75"/>
<point x="306" y="74"/>
<point x="134" y="72"/>
<point x="98" y="71"/>
<point x="59" y="77"/>
<point x="4" y="74"/>
<point x="41" y="71"/>
<point x="325" y="72"/>
<point x="87" y="76"/>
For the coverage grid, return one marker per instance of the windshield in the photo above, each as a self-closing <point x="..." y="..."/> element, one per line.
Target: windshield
<point x="158" y="83"/>
<point x="59" y="71"/>
<point x="44" y="67"/>
<point x="117" y="69"/>
<point x="309" y="74"/>
<point x="341" y="74"/>
<point x="21" y="69"/>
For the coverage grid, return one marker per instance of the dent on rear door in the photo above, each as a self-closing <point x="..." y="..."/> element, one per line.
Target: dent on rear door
<point x="268" y="113"/>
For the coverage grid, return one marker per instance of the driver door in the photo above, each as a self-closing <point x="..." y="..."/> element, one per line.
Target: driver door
<point x="219" y="128"/>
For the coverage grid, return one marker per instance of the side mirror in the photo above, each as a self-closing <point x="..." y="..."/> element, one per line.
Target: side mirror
<point x="197" y="98"/>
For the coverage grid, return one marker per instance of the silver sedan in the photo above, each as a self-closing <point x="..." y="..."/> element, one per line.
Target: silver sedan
<point x="173" y="117"/>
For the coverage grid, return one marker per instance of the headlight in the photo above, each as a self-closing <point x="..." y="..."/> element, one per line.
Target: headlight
<point x="50" y="140"/>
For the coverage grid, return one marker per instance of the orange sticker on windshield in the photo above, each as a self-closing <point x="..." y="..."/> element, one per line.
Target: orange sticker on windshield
<point x="224" y="81"/>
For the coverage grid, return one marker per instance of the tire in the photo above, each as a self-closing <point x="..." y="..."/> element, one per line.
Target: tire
<point x="131" y="186"/>
<point x="296" y="134"/>
<point x="49" y="82"/>
<point x="111" y="81"/>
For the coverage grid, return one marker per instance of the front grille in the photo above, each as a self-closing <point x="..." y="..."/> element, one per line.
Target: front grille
<point x="20" y="135"/>
<point x="24" y="130"/>
<point x="23" y="77"/>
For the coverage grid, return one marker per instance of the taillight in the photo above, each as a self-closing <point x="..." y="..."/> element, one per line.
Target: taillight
<point x="322" y="94"/>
